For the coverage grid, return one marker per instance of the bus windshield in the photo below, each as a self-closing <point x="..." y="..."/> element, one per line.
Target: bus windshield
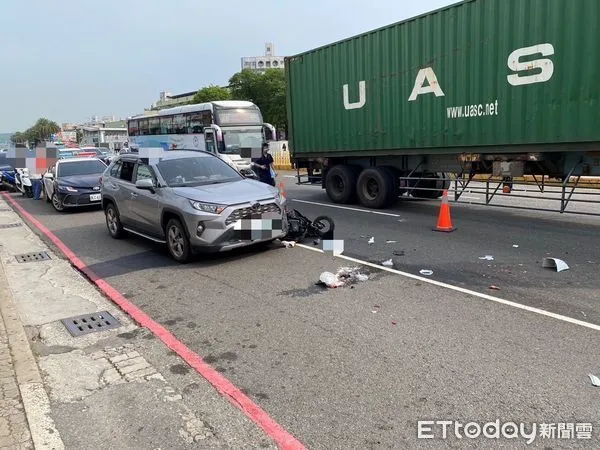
<point x="235" y="140"/>
<point x="237" y="116"/>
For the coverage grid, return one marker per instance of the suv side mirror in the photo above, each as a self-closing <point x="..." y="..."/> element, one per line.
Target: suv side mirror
<point x="145" y="184"/>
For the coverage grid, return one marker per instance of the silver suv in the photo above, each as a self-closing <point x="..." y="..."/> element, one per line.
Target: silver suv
<point x="193" y="201"/>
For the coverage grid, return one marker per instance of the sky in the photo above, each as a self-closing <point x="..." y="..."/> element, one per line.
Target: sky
<point x="73" y="59"/>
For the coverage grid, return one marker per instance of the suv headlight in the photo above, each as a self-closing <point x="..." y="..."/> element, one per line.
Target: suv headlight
<point x="69" y="188"/>
<point x="208" y="207"/>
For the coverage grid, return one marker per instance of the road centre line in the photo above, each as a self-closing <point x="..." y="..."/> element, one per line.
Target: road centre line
<point x="347" y="208"/>
<point x="463" y="290"/>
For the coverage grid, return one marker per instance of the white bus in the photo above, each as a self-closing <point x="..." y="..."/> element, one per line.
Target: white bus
<point x="234" y="130"/>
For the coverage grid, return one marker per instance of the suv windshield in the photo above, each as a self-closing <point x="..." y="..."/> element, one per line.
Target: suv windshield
<point x="68" y="169"/>
<point x="196" y="171"/>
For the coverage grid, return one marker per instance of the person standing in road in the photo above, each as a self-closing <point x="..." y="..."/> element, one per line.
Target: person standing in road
<point x="264" y="166"/>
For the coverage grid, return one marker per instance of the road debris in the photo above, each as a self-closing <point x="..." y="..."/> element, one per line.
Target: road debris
<point x="317" y="241"/>
<point x="344" y="276"/>
<point x="398" y="252"/>
<point x="494" y="288"/>
<point x="515" y="246"/>
<point x="371" y="241"/>
<point x="288" y="244"/>
<point x="391" y="242"/>
<point x="351" y="274"/>
<point x="388" y="263"/>
<point x="426" y="272"/>
<point x="487" y="258"/>
<point x="555" y="263"/>
<point x="595" y="380"/>
<point x="330" y="280"/>
<point x="394" y="322"/>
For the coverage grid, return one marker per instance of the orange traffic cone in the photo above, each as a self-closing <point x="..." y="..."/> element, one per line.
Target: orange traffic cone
<point x="444" y="220"/>
<point x="281" y="187"/>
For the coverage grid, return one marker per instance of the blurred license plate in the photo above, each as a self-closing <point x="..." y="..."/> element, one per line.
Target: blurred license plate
<point x="95" y="197"/>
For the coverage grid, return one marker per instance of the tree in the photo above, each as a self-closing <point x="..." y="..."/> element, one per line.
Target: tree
<point x="18" y="138"/>
<point x="211" y="93"/>
<point x="267" y="90"/>
<point x="79" y="135"/>
<point x="41" y="131"/>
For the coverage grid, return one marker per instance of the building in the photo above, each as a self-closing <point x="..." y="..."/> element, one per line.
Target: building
<point x="267" y="61"/>
<point x="168" y="100"/>
<point x="112" y="138"/>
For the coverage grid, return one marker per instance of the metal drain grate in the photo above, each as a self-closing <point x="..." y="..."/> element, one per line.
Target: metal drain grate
<point x="33" y="257"/>
<point x="11" y="225"/>
<point x="90" y="323"/>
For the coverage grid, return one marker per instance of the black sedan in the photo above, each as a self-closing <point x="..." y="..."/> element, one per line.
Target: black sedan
<point x="73" y="182"/>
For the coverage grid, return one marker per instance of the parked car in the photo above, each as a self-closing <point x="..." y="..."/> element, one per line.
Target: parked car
<point x="97" y="152"/>
<point x="192" y="201"/>
<point x="73" y="182"/>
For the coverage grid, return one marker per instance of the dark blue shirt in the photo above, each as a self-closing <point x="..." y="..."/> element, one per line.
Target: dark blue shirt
<point x="264" y="174"/>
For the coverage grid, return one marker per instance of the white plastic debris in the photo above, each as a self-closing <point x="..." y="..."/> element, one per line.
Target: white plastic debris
<point x="487" y="258"/>
<point x="555" y="263"/>
<point x="351" y="274"/>
<point x="391" y="242"/>
<point x="515" y="246"/>
<point x="344" y="275"/>
<point x="426" y="272"/>
<point x="330" y="280"/>
<point x="595" y="380"/>
<point x="388" y="263"/>
<point x="288" y="244"/>
<point x="371" y="241"/>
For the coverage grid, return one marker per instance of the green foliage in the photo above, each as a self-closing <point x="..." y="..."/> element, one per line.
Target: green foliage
<point x="267" y="90"/>
<point x="40" y="132"/>
<point x="211" y="93"/>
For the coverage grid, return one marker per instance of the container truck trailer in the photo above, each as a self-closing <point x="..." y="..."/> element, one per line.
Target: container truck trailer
<point x="505" y="88"/>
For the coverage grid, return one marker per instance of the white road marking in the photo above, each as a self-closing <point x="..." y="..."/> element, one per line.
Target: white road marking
<point x="465" y="196"/>
<point x="347" y="208"/>
<point x="464" y="291"/>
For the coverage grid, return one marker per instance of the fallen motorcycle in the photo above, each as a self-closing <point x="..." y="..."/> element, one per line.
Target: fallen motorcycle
<point x="301" y="227"/>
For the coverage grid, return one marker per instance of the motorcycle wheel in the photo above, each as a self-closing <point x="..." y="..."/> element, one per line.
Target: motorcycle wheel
<point x="323" y="225"/>
<point x="28" y="192"/>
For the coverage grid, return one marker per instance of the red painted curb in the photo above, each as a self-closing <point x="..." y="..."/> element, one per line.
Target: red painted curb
<point x="225" y="387"/>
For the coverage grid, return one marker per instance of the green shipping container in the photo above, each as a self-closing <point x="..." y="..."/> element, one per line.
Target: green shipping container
<point x="477" y="76"/>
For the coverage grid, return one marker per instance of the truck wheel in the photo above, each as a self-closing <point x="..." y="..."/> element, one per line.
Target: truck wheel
<point x="395" y="186"/>
<point x="376" y="188"/>
<point x="430" y="181"/>
<point x="340" y="183"/>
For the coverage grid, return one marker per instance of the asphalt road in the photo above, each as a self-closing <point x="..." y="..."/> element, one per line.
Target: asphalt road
<point x="357" y="368"/>
<point x="481" y="231"/>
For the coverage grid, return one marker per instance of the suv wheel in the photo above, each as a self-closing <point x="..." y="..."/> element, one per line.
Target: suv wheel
<point x="177" y="241"/>
<point x="113" y="222"/>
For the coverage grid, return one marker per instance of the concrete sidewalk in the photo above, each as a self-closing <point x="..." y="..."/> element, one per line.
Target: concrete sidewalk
<point x="112" y="388"/>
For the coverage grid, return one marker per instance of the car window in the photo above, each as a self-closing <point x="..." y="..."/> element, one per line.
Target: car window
<point x="127" y="171"/>
<point x="115" y="170"/>
<point x="196" y="171"/>
<point x="67" y="169"/>
<point x="143" y="172"/>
